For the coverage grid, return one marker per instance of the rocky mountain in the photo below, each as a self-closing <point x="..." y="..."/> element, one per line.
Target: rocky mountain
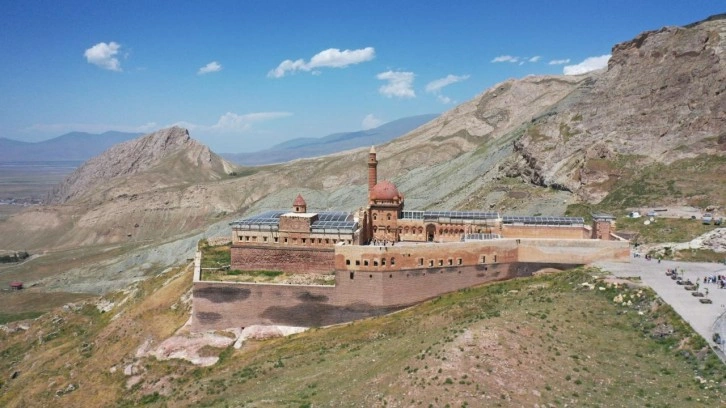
<point x="337" y="142"/>
<point x="75" y="146"/>
<point x="661" y="100"/>
<point x="171" y="154"/>
<point x="648" y="130"/>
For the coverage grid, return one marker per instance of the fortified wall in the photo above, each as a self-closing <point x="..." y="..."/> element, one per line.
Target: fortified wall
<point x="374" y="280"/>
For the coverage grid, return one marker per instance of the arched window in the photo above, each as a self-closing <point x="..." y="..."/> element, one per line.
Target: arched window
<point x="393" y="261"/>
<point x="375" y="229"/>
<point x="389" y="217"/>
<point x="406" y="230"/>
<point x="374" y="216"/>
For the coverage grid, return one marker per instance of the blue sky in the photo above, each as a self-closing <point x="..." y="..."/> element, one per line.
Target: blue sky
<point x="244" y="75"/>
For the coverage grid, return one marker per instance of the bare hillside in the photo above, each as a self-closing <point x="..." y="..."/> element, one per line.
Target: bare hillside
<point x="180" y="158"/>
<point x="648" y="129"/>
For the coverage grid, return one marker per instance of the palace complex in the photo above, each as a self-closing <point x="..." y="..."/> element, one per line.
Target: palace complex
<point x="385" y="257"/>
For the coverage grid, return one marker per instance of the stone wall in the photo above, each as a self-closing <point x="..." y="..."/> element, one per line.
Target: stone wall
<point x="286" y="259"/>
<point x="374" y="289"/>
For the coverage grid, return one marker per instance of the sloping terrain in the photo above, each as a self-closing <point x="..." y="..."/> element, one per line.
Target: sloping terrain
<point x="337" y="142"/>
<point x="571" y="338"/>
<point x="660" y="104"/>
<point x="646" y="130"/>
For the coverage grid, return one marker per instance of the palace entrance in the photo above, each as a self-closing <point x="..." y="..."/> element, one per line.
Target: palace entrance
<point x="430" y="231"/>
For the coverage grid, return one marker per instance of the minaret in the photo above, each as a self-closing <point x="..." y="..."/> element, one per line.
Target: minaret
<point x="372" y="170"/>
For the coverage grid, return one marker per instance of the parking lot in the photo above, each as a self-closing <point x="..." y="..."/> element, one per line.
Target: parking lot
<point x="700" y="316"/>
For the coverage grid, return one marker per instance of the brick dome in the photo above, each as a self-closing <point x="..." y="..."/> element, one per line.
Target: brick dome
<point x="299" y="201"/>
<point x="385" y="190"/>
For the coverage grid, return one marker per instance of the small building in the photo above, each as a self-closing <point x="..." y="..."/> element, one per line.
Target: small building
<point x="16" y="285"/>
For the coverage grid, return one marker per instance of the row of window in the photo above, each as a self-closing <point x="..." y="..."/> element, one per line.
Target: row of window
<point x="420" y="230"/>
<point x="376" y="262"/>
<point x="431" y="262"/>
<point x="294" y="241"/>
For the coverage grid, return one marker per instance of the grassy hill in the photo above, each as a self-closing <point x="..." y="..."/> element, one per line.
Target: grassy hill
<point x="541" y="340"/>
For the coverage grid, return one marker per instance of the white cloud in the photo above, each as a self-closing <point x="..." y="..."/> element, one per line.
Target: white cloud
<point x="104" y="55"/>
<point x="438" y="84"/>
<point x="505" y="58"/>
<point x="61" y="128"/>
<point x="559" y="62"/>
<point x="589" y="64"/>
<point x="331" y="58"/>
<point x="213" y="66"/>
<point x="231" y="122"/>
<point x="370" y="122"/>
<point x="400" y="84"/>
<point x="535" y="58"/>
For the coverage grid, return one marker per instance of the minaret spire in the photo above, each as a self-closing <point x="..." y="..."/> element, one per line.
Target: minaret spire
<point x="372" y="170"/>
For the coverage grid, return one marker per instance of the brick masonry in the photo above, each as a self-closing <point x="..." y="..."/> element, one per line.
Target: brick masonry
<point x="363" y="291"/>
<point x="287" y="259"/>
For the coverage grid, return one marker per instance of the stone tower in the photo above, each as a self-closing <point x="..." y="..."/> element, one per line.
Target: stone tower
<point x="299" y="205"/>
<point x="602" y="226"/>
<point x="372" y="170"/>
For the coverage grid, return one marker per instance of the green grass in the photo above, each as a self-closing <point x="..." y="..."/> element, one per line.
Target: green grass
<point x="663" y="229"/>
<point x="696" y="181"/>
<point x="13" y="317"/>
<point x="215" y="256"/>
<point x="475" y="347"/>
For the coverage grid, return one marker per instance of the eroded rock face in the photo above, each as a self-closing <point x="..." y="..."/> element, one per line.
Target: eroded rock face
<point x="663" y="96"/>
<point x="139" y="155"/>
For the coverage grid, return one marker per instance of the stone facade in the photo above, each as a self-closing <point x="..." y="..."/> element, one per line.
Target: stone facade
<point x="385" y="258"/>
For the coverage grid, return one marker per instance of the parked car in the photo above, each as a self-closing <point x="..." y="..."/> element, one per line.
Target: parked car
<point x="707" y="218"/>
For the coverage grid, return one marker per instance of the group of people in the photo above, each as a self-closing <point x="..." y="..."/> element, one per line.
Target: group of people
<point x="720" y="280"/>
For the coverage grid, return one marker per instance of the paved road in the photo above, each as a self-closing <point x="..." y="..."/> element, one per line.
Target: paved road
<point x="700" y="316"/>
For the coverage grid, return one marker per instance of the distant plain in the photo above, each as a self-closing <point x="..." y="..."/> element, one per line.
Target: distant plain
<point x="28" y="183"/>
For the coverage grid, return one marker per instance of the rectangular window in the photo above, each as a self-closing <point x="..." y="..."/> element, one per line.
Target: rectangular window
<point x="420" y="261"/>
<point x="304" y="240"/>
<point x="431" y="262"/>
<point x="286" y="240"/>
<point x="459" y="261"/>
<point x="276" y="240"/>
<point x="352" y="274"/>
<point x="495" y="258"/>
<point x="383" y="262"/>
<point x="357" y="262"/>
<point x="393" y="261"/>
<point x="347" y="261"/>
<point x="441" y="262"/>
<point x="451" y="262"/>
<point x="483" y="259"/>
<point x="247" y="238"/>
<point x="264" y="239"/>
<point x="365" y="263"/>
<point x="375" y="263"/>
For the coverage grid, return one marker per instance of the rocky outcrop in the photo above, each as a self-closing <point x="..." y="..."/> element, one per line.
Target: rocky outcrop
<point x="662" y="98"/>
<point x="172" y="147"/>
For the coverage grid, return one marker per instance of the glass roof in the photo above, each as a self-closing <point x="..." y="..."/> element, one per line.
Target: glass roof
<point x="327" y="221"/>
<point x="515" y="219"/>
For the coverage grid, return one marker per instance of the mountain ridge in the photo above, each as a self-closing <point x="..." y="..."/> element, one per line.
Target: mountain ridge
<point x="311" y="147"/>
<point x="73" y="146"/>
